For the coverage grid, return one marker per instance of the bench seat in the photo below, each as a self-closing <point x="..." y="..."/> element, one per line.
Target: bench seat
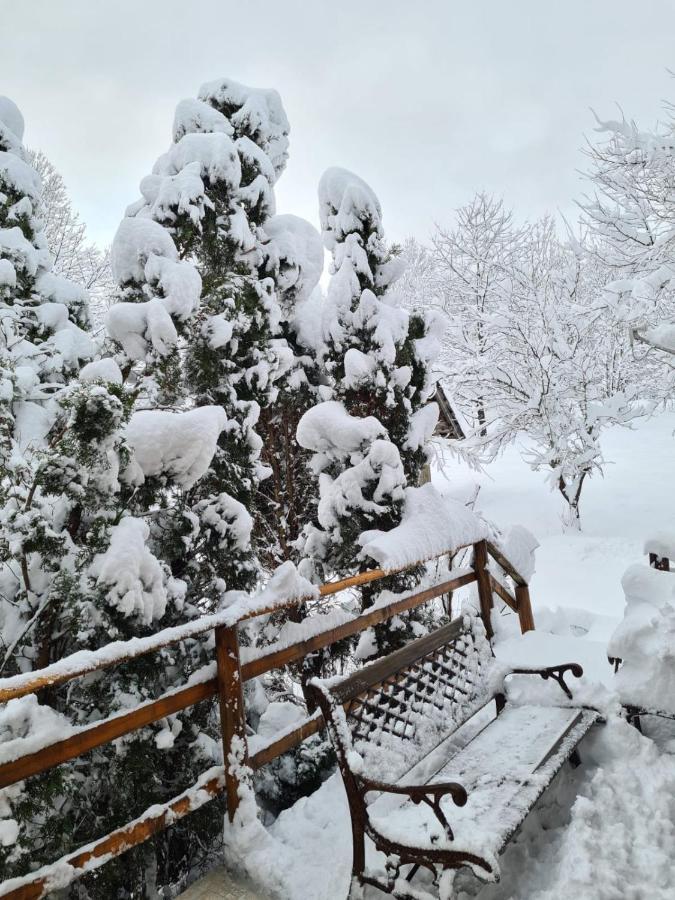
<point x="504" y="769"/>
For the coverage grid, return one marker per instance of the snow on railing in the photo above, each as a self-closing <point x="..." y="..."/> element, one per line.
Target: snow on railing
<point x="225" y="679"/>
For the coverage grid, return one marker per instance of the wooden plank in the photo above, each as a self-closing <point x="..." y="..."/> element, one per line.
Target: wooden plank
<point x="298" y="651"/>
<point x="286" y="742"/>
<point x="506" y="596"/>
<point x="382" y="668"/>
<point x="232" y="714"/>
<point x="480" y="559"/>
<point x="524" y="608"/>
<point x="117" y="842"/>
<point x="506" y="564"/>
<point x="104" y="732"/>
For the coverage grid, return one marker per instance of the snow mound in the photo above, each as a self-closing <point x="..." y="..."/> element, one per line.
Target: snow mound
<point x="167" y="196"/>
<point x="645" y="640"/>
<point x="328" y="427"/>
<point x="431" y="525"/>
<point x="132" y="575"/>
<point x="519" y="546"/>
<point x="662" y="543"/>
<point x="345" y="200"/>
<point x="214" y="152"/>
<point x="17" y="174"/>
<point x="101" y="370"/>
<point x="257" y="113"/>
<point x="144" y="253"/>
<point x="134" y="243"/>
<point x="11" y="119"/>
<point x="180" y="445"/>
<point x="299" y="250"/>
<point x="193" y="116"/>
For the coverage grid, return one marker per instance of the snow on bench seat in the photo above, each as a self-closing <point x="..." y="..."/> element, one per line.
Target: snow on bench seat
<point x="504" y="769"/>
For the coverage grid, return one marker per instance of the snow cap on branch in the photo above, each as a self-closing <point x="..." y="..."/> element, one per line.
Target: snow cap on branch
<point x="255" y="113"/>
<point x="179" y="445"/>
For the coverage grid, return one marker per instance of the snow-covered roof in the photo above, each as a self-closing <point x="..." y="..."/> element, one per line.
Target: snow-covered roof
<point x="449" y="422"/>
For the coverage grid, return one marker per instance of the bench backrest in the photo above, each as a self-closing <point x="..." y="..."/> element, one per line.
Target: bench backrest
<point x="396" y="709"/>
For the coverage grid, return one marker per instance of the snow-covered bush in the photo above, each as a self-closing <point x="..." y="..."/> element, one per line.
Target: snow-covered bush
<point x="645" y="640"/>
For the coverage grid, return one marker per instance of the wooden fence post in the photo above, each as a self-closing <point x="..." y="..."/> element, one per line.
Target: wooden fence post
<point x="232" y="715"/>
<point x="480" y="558"/>
<point x="524" y="608"/>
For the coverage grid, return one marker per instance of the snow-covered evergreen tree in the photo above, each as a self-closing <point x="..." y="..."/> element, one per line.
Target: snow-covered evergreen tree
<point x="369" y="440"/>
<point x="93" y="481"/>
<point x="286" y="500"/>
<point x="42" y="345"/>
<point x="213" y="190"/>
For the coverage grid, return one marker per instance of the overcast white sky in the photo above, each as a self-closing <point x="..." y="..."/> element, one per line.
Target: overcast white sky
<point x="428" y="100"/>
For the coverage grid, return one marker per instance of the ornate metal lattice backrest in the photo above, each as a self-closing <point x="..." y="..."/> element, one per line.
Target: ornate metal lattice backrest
<point x="401" y="705"/>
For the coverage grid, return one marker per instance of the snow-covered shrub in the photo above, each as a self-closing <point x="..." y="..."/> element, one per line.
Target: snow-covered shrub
<point x="645" y="640"/>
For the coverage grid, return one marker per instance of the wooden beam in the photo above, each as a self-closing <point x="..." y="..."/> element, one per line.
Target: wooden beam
<point x="309" y="726"/>
<point x="117" y="842"/>
<point x="104" y="732"/>
<point x="298" y="651"/>
<point x="480" y="558"/>
<point x="506" y="565"/>
<point x="232" y="714"/>
<point x="524" y="608"/>
<point x="506" y="596"/>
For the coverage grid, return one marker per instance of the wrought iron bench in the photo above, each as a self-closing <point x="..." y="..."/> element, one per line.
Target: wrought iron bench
<point x="431" y="724"/>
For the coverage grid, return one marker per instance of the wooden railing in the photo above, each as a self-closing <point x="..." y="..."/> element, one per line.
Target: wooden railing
<point x="224" y="680"/>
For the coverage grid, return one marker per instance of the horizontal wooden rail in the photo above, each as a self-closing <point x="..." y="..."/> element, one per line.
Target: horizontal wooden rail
<point x="117" y="842"/>
<point x="104" y="732"/>
<point x="125" y="651"/>
<point x="311" y="725"/>
<point x="298" y="651"/>
<point x="117" y="726"/>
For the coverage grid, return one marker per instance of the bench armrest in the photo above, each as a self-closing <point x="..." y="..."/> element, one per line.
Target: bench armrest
<point x="431" y="794"/>
<point x="557" y="673"/>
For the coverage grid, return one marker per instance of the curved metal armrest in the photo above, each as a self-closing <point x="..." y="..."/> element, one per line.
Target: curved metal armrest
<point x="557" y="673"/>
<point x="431" y="794"/>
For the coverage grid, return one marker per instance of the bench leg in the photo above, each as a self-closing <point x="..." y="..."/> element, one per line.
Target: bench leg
<point x="358" y="861"/>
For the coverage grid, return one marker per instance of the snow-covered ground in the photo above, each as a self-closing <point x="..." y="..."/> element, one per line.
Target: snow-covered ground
<point x="603" y="831"/>
<point x="576" y="587"/>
